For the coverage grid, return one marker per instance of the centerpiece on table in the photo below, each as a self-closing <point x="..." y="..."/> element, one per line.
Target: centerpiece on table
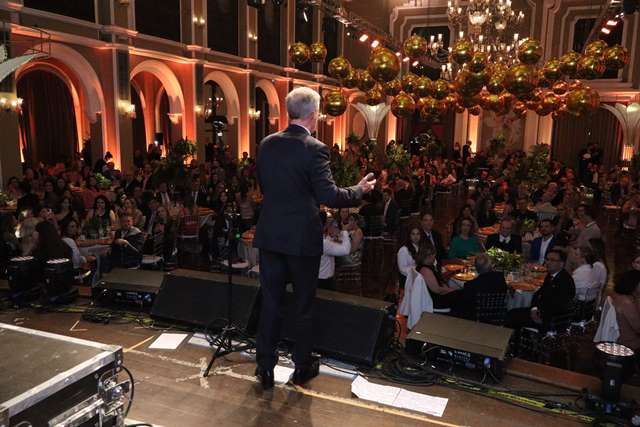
<point x="505" y="261"/>
<point x="5" y="198"/>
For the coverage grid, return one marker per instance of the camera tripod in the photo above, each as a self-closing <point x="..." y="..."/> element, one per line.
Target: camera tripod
<point x="223" y="342"/>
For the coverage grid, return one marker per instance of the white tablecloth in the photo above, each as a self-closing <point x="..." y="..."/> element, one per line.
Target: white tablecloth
<point x="515" y="299"/>
<point x="95" y="250"/>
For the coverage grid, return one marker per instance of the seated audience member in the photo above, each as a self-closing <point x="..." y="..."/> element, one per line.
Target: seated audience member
<point x="505" y="239"/>
<point x="429" y="234"/>
<point x="443" y="295"/>
<point x="487" y="281"/>
<point x="357" y="239"/>
<point x="50" y="245"/>
<point x="69" y="236"/>
<point x="336" y="243"/>
<point x="586" y="227"/>
<point x="544" y="243"/>
<point x="126" y="249"/>
<point x="406" y="256"/>
<point x="130" y="207"/>
<point x="65" y="212"/>
<point x="27" y="236"/>
<point x="522" y="212"/>
<point x="464" y="243"/>
<point x="584" y="276"/>
<point x="10" y="246"/>
<point x="552" y="299"/>
<point x="626" y="301"/>
<point x="486" y="213"/>
<point x="600" y="269"/>
<point x="465" y="213"/>
<point x="100" y="220"/>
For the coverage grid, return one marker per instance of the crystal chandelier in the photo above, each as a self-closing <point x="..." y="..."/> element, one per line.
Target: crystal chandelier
<point x="490" y="25"/>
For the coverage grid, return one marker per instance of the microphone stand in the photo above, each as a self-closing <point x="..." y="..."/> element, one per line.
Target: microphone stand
<point x="223" y="341"/>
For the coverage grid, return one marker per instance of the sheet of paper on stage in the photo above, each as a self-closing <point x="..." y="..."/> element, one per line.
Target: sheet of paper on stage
<point x="398" y="397"/>
<point x="282" y="374"/>
<point x="199" y="339"/>
<point x="168" y="341"/>
<point x="421" y="402"/>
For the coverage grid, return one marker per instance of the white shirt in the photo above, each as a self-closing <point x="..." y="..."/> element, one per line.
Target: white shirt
<point x="584" y="279"/>
<point x="600" y="273"/>
<point x="544" y="245"/>
<point x="76" y="258"/>
<point x="505" y="239"/>
<point x="332" y="249"/>
<point x="405" y="260"/>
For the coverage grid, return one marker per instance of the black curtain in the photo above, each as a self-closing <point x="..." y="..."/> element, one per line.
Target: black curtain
<point x="48" y="120"/>
<point x="165" y="123"/>
<point x="139" y="134"/>
<point x="571" y="134"/>
<point x="269" y="33"/>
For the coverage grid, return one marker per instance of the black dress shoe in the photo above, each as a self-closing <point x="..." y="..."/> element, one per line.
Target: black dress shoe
<point x="303" y="374"/>
<point x="266" y="377"/>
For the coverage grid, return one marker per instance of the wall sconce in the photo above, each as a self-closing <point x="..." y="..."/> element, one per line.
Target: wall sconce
<point x="199" y="21"/>
<point x="322" y="117"/>
<point x="253" y="37"/>
<point x="198" y="109"/>
<point x="127" y="109"/>
<point x="10" y="104"/>
<point x="254" y="114"/>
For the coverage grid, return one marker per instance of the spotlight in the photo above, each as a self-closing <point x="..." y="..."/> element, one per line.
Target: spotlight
<point x="605" y="30"/>
<point x="406" y="59"/>
<point x="398" y="54"/>
<point x="304" y="15"/>
<point x="612" y="22"/>
<point x="375" y="44"/>
<point x="616" y="361"/>
<point x="363" y="38"/>
<point x="415" y="63"/>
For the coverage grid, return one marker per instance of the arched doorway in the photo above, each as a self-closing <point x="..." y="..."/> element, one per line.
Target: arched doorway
<point x="139" y="125"/>
<point x="48" y="123"/>
<point x="262" y="124"/>
<point x="223" y="93"/>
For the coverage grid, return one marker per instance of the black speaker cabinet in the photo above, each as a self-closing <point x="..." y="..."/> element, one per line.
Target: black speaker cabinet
<point x="201" y="299"/>
<point x="347" y="327"/>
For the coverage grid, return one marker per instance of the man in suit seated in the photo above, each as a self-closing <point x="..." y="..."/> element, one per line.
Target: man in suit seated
<point x="541" y="245"/>
<point x="552" y="299"/>
<point x="126" y="249"/>
<point x="433" y="236"/>
<point x="488" y="281"/>
<point x="504" y="239"/>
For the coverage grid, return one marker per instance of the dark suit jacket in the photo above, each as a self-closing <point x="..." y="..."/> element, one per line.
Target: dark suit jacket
<point x="536" y="243"/>
<point x="295" y="178"/>
<point x="554" y="296"/>
<point x="514" y="245"/>
<point x="392" y="219"/>
<point x="441" y="253"/>
<point x="492" y="281"/>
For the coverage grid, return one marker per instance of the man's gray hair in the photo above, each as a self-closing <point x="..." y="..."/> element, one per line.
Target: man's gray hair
<point x="483" y="263"/>
<point x="302" y="102"/>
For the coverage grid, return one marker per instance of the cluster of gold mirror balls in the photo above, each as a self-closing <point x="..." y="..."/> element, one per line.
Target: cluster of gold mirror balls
<point x="554" y="88"/>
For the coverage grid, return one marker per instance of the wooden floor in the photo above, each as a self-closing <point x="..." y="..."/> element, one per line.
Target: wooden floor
<point x="170" y="390"/>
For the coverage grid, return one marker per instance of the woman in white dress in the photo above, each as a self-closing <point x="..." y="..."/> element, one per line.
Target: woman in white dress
<point x="407" y="253"/>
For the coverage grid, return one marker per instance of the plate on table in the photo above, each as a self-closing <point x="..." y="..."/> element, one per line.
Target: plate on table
<point x="537" y="268"/>
<point x="465" y="277"/>
<point x="524" y="286"/>
<point x="453" y="268"/>
<point x="488" y="230"/>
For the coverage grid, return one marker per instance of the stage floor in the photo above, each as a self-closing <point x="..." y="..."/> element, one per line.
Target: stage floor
<point x="170" y="390"/>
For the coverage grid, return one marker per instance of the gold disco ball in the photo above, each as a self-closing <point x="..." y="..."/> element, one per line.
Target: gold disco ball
<point x="441" y="89"/>
<point x="569" y="64"/>
<point x="299" y="53"/>
<point x="475" y="110"/>
<point x="339" y="68"/>
<point x="462" y="51"/>
<point x="551" y="70"/>
<point x="375" y="96"/>
<point x="424" y="87"/>
<point x="560" y="87"/>
<point x="317" y="52"/>
<point x="351" y="80"/>
<point x="596" y="48"/>
<point x="334" y="103"/>
<point x="520" y="109"/>
<point x="415" y="46"/>
<point x="616" y="57"/>
<point x="409" y="82"/>
<point x="590" y="67"/>
<point x="403" y="105"/>
<point x="392" y="88"/>
<point x="521" y="79"/>
<point x="478" y="62"/>
<point x="365" y="81"/>
<point x="582" y="101"/>
<point x="530" y="51"/>
<point x="384" y="65"/>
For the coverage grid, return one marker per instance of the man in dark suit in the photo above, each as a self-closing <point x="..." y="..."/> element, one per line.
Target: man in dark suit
<point x="552" y="299"/>
<point x="504" y="239"/>
<point x="541" y="245"/>
<point x="432" y="236"/>
<point x="295" y="178"/>
<point x="391" y="212"/>
<point x="487" y="281"/>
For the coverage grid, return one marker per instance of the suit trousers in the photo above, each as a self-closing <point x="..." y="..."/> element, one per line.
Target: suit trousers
<point x="276" y="270"/>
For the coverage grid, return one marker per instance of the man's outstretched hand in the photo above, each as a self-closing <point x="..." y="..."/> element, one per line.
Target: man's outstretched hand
<point x="367" y="183"/>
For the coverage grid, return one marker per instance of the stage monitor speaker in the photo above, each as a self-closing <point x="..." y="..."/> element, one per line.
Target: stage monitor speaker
<point x="347" y="327"/>
<point x="200" y="299"/>
<point x="122" y="286"/>
<point x="466" y="343"/>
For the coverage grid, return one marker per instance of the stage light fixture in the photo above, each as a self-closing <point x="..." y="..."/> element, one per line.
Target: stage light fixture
<point x="363" y="38"/>
<point x="612" y="22"/>
<point x="605" y="30"/>
<point x="375" y="44"/>
<point x="398" y="54"/>
<point x="406" y="59"/>
<point x="415" y="63"/>
<point x="616" y="362"/>
<point x="304" y="15"/>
